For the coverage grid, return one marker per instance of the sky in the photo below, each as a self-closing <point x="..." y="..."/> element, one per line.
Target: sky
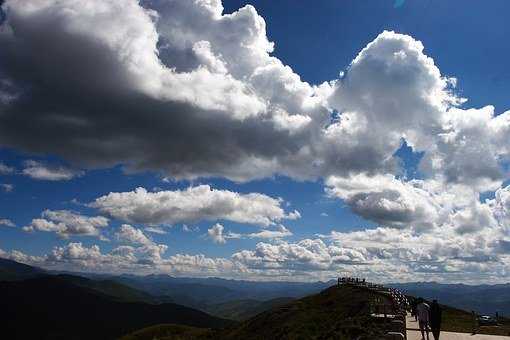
<point x="261" y="140"/>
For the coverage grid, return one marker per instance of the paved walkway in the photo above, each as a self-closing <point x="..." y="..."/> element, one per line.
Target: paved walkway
<point x="416" y="335"/>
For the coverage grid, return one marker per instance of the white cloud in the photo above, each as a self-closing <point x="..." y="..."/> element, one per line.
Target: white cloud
<point x="6" y="222"/>
<point x="206" y="76"/>
<point x="39" y="171"/>
<point x="5" y="169"/>
<point x="279" y="232"/>
<point x="221" y="105"/>
<point x="192" y="204"/>
<point x="304" y="255"/>
<point x="155" y="230"/>
<point x="67" y="223"/>
<point x="388" y="200"/>
<point x="189" y="229"/>
<point x="6" y="187"/>
<point x="126" y="259"/>
<point x="215" y="233"/>
<point x="129" y="234"/>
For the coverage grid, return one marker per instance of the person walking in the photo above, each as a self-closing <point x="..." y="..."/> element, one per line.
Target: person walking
<point x="435" y="319"/>
<point x="475" y="322"/>
<point x="414" y="303"/>
<point x="423" y="313"/>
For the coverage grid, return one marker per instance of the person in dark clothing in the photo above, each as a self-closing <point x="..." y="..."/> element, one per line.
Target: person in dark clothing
<point x="414" y="303"/>
<point x="435" y="319"/>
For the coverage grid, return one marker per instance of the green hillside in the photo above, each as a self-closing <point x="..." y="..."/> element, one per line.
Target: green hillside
<point x="457" y="320"/>
<point x="336" y="313"/>
<point x="241" y="310"/>
<point x="12" y="270"/>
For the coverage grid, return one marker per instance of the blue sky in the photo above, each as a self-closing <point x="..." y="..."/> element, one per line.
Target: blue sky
<point x="88" y="126"/>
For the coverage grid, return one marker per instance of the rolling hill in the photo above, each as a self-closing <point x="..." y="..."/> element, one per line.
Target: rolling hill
<point x="241" y="310"/>
<point x="12" y="270"/>
<point x="341" y="313"/>
<point x="52" y="307"/>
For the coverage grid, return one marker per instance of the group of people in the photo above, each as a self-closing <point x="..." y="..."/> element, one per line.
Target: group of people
<point x="351" y="280"/>
<point x="400" y="302"/>
<point x="428" y="317"/>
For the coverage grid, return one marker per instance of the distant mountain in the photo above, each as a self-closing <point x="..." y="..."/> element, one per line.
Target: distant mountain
<point x="12" y="270"/>
<point x="192" y="294"/>
<point x="113" y="289"/>
<point x="203" y="292"/>
<point x="484" y="299"/>
<point x="53" y="307"/>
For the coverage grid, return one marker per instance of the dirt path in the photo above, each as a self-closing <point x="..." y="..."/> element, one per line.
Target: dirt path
<point x="416" y="335"/>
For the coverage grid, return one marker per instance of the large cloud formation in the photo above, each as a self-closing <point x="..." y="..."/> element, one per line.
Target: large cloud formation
<point x="147" y="86"/>
<point x="181" y="88"/>
<point x="192" y="204"/>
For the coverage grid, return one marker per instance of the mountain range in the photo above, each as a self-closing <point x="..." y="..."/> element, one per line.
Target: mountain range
<point x="59" y="305"/>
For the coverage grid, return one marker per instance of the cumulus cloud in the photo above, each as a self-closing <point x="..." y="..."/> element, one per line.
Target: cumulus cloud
<point x="39" y="171"/>
<point x="6" y="187"/>
<point x="387" y="200"/>
<point x="471" y="148"/>
<point x="306" y="256"/>
<point x="67" y="223"/>
<point x="215" y="233"/>
<point x="129" y="234"/>
<point x="6" y="222"/>
<point x="221" y="105"/>
<point x="5" y="169"/>
<point x="279" y="232"/>
<point x="190" y="205"/>
<point x="127" y="259"/>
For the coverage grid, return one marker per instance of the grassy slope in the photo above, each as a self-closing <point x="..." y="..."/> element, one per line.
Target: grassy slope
<point x="338" y="313"/>
<point x="456" y="320"/>
<point x="241" y="310"/>
<point x="334" y="313"/>
<point x="169" y="332"/>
